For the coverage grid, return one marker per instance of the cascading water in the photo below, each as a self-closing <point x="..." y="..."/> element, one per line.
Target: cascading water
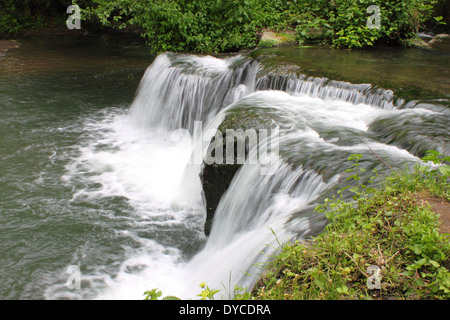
<point x="328" y="89"/>
<point x="178" y="90"/>
<point x="320" y="123"/>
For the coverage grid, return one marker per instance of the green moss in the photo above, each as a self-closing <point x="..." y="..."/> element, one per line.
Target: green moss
<point x="270" y="43"/>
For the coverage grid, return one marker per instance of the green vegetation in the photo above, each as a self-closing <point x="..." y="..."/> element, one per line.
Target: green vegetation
<point x="206" y="294"/>
<point x="228" y="25"/>
<point x="385" y="244"/>
<point x="269" y="43"/>
<point x="343" y="23"/>
<point x="182" y="25"/>
<point x="28" y="15"/>
<point x="155" y="294"/>
<point x="389" y="229"/>
<point x="208" y="26"/>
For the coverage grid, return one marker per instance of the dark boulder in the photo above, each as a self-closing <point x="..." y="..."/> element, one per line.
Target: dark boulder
<point x="216" y="176"/>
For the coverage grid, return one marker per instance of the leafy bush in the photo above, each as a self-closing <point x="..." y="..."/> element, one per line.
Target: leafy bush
<point x="183" y="25"/>
<point x="18" y="16"/>
<point x="344" y="22"/>
<point x="225" y="25"/>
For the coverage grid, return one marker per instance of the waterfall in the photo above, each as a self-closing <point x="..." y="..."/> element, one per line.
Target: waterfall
<point x="250" y="221"/>
<point x="320" y="123"/>
<point x="328" y="89"/>
<point x="177" y="90"/>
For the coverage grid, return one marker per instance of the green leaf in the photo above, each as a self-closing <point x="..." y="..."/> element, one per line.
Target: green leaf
<point x="421" y="262"/>
<point x="434" y="263"/>
<point x="153" y="294"/>
<point x="320" y="283"/>
<point x="342" y="290"/>
<point x="445" y="170"/>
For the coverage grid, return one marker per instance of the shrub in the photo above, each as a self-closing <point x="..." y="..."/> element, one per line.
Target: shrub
<point x="183" y="25"/>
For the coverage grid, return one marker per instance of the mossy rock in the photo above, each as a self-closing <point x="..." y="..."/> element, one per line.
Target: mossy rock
<point x="216" y="178"/>
<point x="274" y="38"/>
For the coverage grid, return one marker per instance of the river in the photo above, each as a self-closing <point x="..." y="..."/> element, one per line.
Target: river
<point x="98" y="201"/>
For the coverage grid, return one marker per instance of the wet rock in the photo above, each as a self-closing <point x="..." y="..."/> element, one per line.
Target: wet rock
<point x="441" y="42"/>
<point x="217" y="176"/>
<point x="439" y="38"/>
<point x="215" y="180"/>
<point x="426" y="35"/>
<point x="442" y="36"/>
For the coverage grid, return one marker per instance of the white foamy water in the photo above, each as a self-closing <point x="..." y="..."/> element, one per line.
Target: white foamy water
<point x="133" y="156"/>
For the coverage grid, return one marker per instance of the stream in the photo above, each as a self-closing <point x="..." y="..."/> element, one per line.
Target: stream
<point x="99" y="199"/>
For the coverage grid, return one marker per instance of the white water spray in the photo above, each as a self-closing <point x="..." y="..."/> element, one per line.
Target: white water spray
<point x="319" y="126"/>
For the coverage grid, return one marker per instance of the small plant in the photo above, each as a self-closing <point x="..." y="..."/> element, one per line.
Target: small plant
<point x="155" y="294"/>
<point x="241" y="294"/>
<point x="207" y="293"/>
<point x="438" y="159"/>
<point x="437" y="172"/>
